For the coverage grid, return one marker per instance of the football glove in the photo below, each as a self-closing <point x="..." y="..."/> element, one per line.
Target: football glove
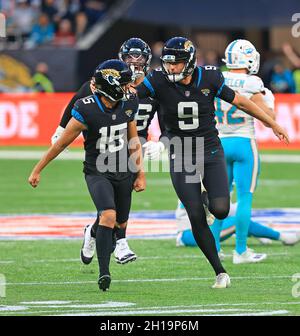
<point x="153" y="149"/>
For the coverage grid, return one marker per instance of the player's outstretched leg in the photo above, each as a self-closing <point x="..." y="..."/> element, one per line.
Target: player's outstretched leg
<point x="264" y="232"/>
<point x="190" y="196"/>
<point x="242" y="254"/>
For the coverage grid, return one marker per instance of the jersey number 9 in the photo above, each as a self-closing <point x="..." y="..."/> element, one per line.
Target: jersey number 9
<point x="190" y="113"/>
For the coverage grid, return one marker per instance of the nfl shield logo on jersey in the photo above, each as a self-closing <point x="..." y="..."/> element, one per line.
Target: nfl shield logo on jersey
<point x="187" y="93"/>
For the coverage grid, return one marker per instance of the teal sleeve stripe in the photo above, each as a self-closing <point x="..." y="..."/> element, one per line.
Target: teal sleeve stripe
<point x="199" y="76"/>
<point x="220" y="90"/>
<point x="78" y="116"/>
<point x="149" y="86"/>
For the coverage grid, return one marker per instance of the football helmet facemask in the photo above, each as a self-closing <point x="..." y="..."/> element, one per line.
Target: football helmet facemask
<point x="137" y="54"/>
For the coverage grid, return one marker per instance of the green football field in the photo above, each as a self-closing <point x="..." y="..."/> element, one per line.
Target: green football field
<point x="46" y="277"/>
<point x="63" y="189"/>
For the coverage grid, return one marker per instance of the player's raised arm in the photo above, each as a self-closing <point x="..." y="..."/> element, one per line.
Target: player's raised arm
<point x="71" y="132"/>
<point x="255" y="111"/>
<point x="258" y="99"/>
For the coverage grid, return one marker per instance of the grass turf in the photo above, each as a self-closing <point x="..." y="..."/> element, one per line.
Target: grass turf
<point x="165" y="280"/>
<point x="63" y="189"/>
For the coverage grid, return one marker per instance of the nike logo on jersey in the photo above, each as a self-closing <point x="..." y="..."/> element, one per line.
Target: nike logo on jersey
<point x="214" y="151"/>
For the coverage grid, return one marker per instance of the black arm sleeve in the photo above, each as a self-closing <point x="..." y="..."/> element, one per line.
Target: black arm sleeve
<point x="227" y="94"/>
<point x="84" y="91"/>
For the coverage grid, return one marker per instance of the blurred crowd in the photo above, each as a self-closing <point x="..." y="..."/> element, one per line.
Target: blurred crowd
<point x="280" y="70"/>
<point x="60" y="23"/>
<point x="32" y="23"/>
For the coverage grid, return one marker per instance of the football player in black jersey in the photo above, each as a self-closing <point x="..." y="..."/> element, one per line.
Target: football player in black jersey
<point x="106" y="120"/>
<point x="186" y="94"/>
<point x="137" y="54"/>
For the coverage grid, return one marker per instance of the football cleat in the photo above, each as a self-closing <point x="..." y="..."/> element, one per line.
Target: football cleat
<point x="88" y="247"/>
<point x="222" y="281"/>
<point x="288" y="238"/>
<point x="179" y="241"/>
<point x="249" y="256"/>
<point x="104" y="282"/>
<point x="123" y="254"/>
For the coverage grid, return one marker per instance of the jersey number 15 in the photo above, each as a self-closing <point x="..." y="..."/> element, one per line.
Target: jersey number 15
<point x="111" y="138"/>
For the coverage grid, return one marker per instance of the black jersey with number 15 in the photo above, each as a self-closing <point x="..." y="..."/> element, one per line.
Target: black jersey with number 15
<point x="106" y="134"/>
<point x="188" y="110"/>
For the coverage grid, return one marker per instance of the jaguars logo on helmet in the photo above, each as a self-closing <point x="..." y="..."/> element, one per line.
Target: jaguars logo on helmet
<point x="110" y="77"/>
<point x="188" y="45"/>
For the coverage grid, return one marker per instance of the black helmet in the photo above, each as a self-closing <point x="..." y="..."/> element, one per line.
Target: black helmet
<point x="137" y="54"/>
<point x="109" y="77"/>
<point x="179" y="49"/>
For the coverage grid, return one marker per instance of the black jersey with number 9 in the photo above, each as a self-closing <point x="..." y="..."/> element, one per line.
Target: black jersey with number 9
<point x="188" y="110"/>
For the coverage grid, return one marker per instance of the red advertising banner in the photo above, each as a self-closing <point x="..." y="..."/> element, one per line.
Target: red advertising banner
<point x="287" y="108"/>
<point x="31" y="119"/>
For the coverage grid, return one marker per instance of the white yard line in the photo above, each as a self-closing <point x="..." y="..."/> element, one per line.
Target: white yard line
<point x="151" y="311"/>
<point x="204" y="312"/>
<point x="110" y="308"/>
<point x="77" y="260"/>
<point x="37" y="154"/>
<point x="51" y="283"/>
